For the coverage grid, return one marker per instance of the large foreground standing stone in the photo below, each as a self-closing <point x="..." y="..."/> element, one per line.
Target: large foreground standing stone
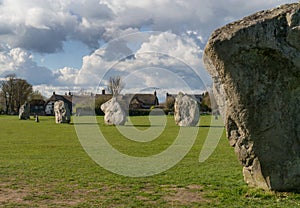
<point x="24" y="111"/>
<point x="186" y="110"/>
<point x="62" y="112"/>
<point x="255" y="65"/>
<point x="114" y="113"/>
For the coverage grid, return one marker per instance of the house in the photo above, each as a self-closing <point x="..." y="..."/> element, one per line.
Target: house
<point x="37" y="107"/>
<point x="49" y="105"/>
<point x="133" y="101"/>
<point x="141" y="101"/>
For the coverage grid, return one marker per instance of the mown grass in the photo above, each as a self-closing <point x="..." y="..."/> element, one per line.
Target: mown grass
<point x="43" y="165"/>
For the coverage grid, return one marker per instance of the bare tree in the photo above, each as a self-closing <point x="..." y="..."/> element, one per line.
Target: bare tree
<point x="23" y="91"/>
<point x="115" y="85"/>
<point x="36" y="95"/>
<point x="7" y="91"/>
<point x="15" y="92"/>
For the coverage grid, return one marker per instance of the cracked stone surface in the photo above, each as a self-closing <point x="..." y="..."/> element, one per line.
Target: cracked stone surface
<point x="24" y="111"/>
<point x="114" y="113"/>
<point x="62" y="112"/>
<point x="255" y="66"/>
<point x="186" y="110"/>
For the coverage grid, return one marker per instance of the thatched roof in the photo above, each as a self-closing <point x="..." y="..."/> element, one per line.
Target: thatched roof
<point x="197" y="97"/>
<point x="37" y="102"/>
<point x="65" y="98"/>
<point x="146" y="99"/>
<point x="140" y="100"/>
<point x="104" y="96"/>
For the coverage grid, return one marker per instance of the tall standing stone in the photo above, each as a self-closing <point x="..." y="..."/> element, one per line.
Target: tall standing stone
<point x="114" y="113"/>
<point x="24" y="111"/>
<point x="62" y="112"/>
<point x="186" y="110"/>
<point x="255" y="66"/>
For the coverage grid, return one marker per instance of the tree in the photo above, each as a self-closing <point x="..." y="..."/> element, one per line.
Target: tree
<point x="5" y="96"/>
<point x="170" y="101"/>
<point x="22" y="91"/>
<point x="2" y="103"/>
<point x="115" y="85"/>
<point x="36" y="95"/>
<point x="15" y="92"/>
<point x="98" y="102"/>
<point x="206" y="102"/>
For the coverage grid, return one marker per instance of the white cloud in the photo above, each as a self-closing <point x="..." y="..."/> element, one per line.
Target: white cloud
<point x="179" y="16"/>
<point x="19" y="61"/>
<point x="66" y="76"/>
<point x="47" y="90"/>
<point x="42" y="26"/>
<point x="168" y="43"/>
<point x="183" y="27"/>
<point x="162" y="60"/>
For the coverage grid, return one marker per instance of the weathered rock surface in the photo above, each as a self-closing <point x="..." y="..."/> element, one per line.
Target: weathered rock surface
<point x="186" y="110"/>
<point x="114" y="113"/>
<point x="62" y="112"/>
<point x="24" y="111"/>
<point x="255" y="65"/>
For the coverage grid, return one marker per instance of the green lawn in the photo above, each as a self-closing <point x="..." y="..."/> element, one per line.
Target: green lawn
<point x="44" y="165"/>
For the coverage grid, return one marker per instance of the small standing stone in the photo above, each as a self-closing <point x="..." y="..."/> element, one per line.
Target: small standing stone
<point x="37" y="119"/>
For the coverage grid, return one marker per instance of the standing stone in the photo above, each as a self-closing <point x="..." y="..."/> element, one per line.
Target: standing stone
<point x="37" y="119"/>
<point x="255" y="66"/>
<point x="186" y="110"/>
<point x="62" y="112"/>
<point x="24" y="111"/>
<point x="114" y="113"/>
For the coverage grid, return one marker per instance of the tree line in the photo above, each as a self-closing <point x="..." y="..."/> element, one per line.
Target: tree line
<point x="15" y="92"/>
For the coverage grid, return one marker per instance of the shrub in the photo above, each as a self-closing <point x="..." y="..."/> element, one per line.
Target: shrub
<point x="98" y="102"/>
<point x="170" y="103"/>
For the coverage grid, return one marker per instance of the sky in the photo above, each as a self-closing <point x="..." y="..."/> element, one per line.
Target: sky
<point x="76" y="45"/>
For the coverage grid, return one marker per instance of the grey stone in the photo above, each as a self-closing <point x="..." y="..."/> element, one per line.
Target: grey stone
<point x="114" y="113"/>
<point x="62" y="112"/>
<point x="24" y="111"/>
<point x="186" y="110"/>
<point x="255" y="66"/>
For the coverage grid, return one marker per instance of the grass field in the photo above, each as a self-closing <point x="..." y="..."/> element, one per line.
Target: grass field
<point x="43" y="165"/>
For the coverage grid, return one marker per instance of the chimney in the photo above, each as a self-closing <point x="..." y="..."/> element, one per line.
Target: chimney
<point x="103" y="92"/>
<point x="54" y="93"/>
